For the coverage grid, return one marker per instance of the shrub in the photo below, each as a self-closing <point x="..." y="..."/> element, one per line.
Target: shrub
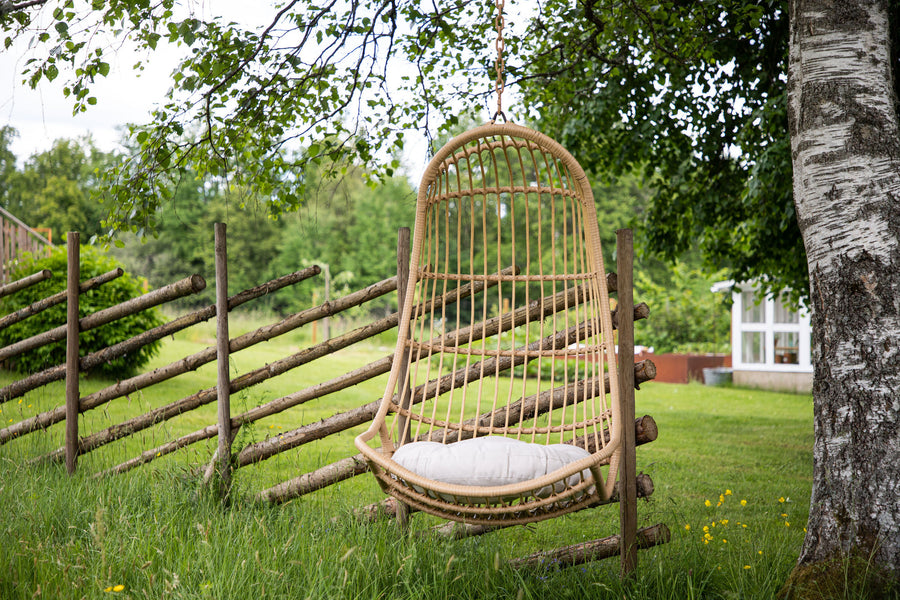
<point x="93" y="262"/>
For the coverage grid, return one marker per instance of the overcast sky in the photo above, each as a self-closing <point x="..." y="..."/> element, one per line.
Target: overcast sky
<point x="124" y="96"/>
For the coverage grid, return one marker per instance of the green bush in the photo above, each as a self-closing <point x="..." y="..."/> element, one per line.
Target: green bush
<point x="93" y="262"/>
<point x="685" y="316"/>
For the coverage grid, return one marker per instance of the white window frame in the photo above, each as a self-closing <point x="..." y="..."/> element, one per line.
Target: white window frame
<point x="768" y="328"/>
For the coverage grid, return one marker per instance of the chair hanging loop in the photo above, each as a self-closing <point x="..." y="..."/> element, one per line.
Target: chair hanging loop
<point x="499" y="67"/>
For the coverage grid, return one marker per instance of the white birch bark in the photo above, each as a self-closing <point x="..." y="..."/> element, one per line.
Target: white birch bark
<point x="846" y="159"/>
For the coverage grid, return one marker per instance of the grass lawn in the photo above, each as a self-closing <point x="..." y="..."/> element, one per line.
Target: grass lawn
<point x="732" y="471"/>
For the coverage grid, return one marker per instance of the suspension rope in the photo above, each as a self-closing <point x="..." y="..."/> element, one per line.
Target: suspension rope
<point x="500" y="44"/>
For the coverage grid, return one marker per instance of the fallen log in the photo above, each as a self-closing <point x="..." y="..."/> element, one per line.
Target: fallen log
<point x="458" y="531"/>
<point x="578" y="554"/>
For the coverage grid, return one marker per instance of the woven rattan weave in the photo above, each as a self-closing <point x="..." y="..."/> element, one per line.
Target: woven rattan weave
<point x="505" y="330"/>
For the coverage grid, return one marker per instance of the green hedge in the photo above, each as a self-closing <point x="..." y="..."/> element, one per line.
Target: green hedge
<point x="93" y="262"/>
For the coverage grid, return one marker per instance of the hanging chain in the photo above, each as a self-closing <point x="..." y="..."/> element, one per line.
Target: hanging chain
<point x="500" y="44"/>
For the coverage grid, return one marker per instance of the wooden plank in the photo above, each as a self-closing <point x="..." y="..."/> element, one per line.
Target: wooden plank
<point x="628" y="464"/>
<point x="73" y="241"/>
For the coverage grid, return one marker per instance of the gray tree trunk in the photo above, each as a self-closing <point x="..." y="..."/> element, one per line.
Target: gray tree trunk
<point x="846" y="158"/>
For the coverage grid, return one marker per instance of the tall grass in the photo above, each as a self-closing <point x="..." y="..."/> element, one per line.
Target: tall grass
<point x="732" y="470"/>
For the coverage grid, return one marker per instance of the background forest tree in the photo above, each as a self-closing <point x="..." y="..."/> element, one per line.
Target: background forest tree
<point x="346" y="224"/>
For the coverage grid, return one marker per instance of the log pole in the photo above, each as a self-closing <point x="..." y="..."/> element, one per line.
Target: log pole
<point x="403" y="250"/>
<point x="628" y="464"/>
<point x="73" y="242"/>
<point x="223" y="378"/>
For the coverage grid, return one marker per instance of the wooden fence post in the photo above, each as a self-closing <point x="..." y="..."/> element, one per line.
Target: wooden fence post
<point x="326" y="322"/>
<point x="73" y="396"/>
<point x="403" y="250"/>
<point x="223" y="383"/>
<point x="628" y="464"/>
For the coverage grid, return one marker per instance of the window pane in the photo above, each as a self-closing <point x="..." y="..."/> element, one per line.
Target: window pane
<point x="787" y="347"/>
<point x="753" y="312"/>
<point x="753" y="347"/>
<point x="783" y="314"/>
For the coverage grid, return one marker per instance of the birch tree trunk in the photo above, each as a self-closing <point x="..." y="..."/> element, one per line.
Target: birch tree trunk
<point x="846" y="159"/>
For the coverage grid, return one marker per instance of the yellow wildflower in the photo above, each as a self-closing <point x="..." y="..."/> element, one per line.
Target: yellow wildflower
<point x="707" y="503"/>
<point x="743" y="503"/>
<point x="727" y="492"/>
<point x="781" y="500"/>
<point x="687" y="527"/>
<point x="787" y="524"/>
<point x="746" y="567"/>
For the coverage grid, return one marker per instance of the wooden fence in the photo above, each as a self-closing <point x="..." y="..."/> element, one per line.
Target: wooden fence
<point x="227" y="424"/>
<point x="15" y="238"/>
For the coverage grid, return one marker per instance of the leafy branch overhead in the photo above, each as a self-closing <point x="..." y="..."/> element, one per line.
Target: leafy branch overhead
<point x="691" y="93"/>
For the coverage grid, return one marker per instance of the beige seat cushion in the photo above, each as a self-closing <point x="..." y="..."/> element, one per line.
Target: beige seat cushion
<point x="490" y="461"/>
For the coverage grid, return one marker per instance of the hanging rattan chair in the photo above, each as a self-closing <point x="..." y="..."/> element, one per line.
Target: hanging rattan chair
<point x="502" y="405"/>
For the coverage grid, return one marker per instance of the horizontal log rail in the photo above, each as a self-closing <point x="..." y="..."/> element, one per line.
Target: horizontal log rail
<point x="644" y="371"/>
<point x="95" y="359"/>
<point x="141" y="422"/>
<point x="494" y="365"/>
<point x="25" y="282"/>
<point x="179" y="289"/>
<point x="48" y="418"/>
<point x="354" y="377"/>
<point x="58" y="298"/>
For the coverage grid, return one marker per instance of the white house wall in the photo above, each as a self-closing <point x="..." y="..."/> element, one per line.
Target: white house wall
<point x="768" y="373"/>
